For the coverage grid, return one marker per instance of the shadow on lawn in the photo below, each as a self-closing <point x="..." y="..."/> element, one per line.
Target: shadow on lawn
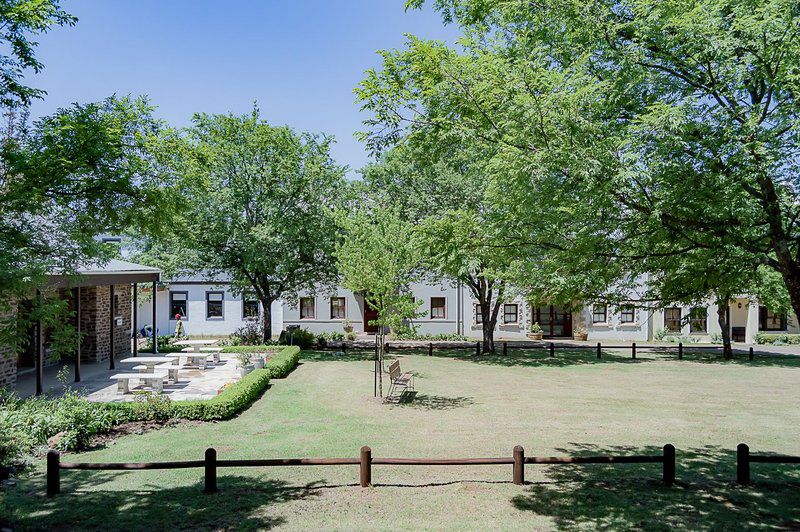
<point x="632" y="496"/>
<point x="424" y="401"/>
<point x="242" y="503"/>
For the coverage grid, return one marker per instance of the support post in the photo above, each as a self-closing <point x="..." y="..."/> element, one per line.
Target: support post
<point x="505" y="348"/>
<point x="680" y="350"/>
<point x="365" y="467"/>
<point x="669" y="464"/>
<point x="477" y="348"/>
<point x="111" y="326"/>
<point x="742" y="464"/>
<point x="39" y="348"/>
<point x="135" y="320"/>
<point x="78" y="328"/>
<point x="599" y="351"/>
<point x="750" y="354"/>
<point x="53" y="473"/>
<point x="210" y="471"/>
<point x="552" y="349"/>
<point x="155" y="319"/>
<point x="633" y="350"/>
<point x="430" y="349"/>
<point x="344" y="348"/>
<point x="519" y="465"/>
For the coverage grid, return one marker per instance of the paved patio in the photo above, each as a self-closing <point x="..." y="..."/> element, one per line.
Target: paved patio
<point x="192" y="383"/>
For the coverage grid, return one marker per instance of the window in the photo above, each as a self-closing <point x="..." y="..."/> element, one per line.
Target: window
<point x="478" y="314"/>
<point x="307" y="308"/>
<point x="250" y="308"/>
<point x="511" y="313"/>
<point x="599" y="313"/>
<point x="437" y="308"/>
<point x="697" y="320"/>
<point x="672" y="319"/>
<point x="214" y="301"/>
<point x="178" y="304"/>
<point x="337" y="308"/>
<point x="771" y="321"/>
<point x="627" y="314"/>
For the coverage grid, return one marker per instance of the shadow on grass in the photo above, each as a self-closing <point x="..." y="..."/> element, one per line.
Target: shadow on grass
<point x="424" y="401"/>
<point x="241" y="503"/>
<point x="632" y="496"/>
<point x="762" y="360"/>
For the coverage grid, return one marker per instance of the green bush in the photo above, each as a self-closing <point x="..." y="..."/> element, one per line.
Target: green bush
<point x="165" y="345"/>
<point x="302" y="338"/>
<point x="252" y="348"/>
<point x="777" y="339"/>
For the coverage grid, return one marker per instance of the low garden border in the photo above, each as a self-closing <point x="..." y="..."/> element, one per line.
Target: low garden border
<point x="365" y="461"/>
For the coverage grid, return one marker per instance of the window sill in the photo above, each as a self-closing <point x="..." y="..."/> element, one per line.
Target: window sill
<point x="604" y="325"/>
<point x="629" y="325"/>
<point x="216" y="319"/>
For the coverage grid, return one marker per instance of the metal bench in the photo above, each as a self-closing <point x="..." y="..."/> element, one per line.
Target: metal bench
<point x="151" y="380"/>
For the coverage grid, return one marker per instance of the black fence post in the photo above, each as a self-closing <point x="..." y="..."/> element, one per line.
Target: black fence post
<point x="430" y="349"/>
<point x="669" y="464"/>
<point x="344" y="348"/>
<point x="633" y="350"/>
<point x="519" y="465"/>
<point x="552" y="349"/>
<point x="53" y="472"/>
<point x="505" y="348"/>
<point x="742" y="464"/>
<point x="750" y="354"/>
<point x="680" y="350"/>
<point x="211" y="471"/>
<point x="477" y="348"/>
<point x="599" y="351"/>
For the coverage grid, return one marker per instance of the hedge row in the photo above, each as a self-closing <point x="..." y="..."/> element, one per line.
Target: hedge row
<point x="780" y="338"/>
<point x="233" y="399"/>
<point x="252" y="348"/>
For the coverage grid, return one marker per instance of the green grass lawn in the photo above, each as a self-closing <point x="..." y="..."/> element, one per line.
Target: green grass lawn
<point x="465" y="407"/>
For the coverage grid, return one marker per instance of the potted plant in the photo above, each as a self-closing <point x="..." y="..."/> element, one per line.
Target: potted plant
<point x="535" y="332"/>
<point x="244" y="364"/>
<point x="580" y="334"/>
<point x="347" y="325"/>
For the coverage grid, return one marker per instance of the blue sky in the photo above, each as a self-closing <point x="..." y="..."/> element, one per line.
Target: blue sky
<point x="300" y="59"/>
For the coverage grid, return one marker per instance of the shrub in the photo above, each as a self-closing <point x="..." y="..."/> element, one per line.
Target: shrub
<point x="442" y="337"/>
<point x="251" y="333"/>
<point x="662" y="333"/>
<point x="777" y="339"/>
<point x="165" y="345"/>
<point x="302" y="338"/>
<point x="252" y="348"/>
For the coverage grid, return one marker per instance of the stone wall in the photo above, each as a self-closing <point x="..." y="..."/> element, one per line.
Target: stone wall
<point x="8" y="359"/>
<point x="96" y="310"/>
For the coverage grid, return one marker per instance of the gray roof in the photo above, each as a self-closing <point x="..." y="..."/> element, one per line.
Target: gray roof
<point x="116" y="266"/>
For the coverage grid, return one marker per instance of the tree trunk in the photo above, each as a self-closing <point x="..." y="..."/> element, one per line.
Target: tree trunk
<point x="488" y="325"/>
<point x="267" y="331"/>
<point x="722" y="319"/>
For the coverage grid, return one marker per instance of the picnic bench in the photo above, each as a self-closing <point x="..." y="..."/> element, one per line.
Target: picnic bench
<point x="169" y="367"/>
<point x="399" y="379"/>
<point x="151" y="380"/>
<point x="148" y="363"/>
<point x="215" y="352"/>
<point x="195" y="358"/>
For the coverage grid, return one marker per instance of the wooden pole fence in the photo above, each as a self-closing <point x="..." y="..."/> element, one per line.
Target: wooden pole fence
<point x="365" y="461"/>
<point x="744" y="459"/>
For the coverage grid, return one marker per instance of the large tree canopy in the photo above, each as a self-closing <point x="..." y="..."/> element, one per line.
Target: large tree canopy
<point x="664" y="127"/>
<point x="257" y="205"/>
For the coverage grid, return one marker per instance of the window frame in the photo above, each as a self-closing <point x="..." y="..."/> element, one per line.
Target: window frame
<point x="595" y="313"/>
<point x="476" y="312"/>
<point x="221" y="305"/>
<point x="184" y="316"/>
<point x="344" y="307"/>
<point x="516" y="313"/>
<point x="443" y="307"/>
<point x="679" y="319"/>
<point x="764" y="317"/>
<point x="313" y="308"/>
<point x="623" y="311"/>
<point x="695" y="320"/>
<point x="250" y="298"/>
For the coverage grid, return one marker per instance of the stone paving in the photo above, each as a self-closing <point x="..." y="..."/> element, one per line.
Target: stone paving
<point x="193" y="383"/>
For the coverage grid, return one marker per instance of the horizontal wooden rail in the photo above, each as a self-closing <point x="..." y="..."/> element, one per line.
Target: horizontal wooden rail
<point x="364" y="461"/>
<point x="744" y="459"/>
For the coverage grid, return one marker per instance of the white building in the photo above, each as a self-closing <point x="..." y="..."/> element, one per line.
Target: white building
<point x="210" y="308"/>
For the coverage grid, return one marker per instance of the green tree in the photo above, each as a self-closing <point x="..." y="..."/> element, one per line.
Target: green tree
<point x="20" y="20"/>
<point x="377" y="257"/>
<point x="257" y="205"/>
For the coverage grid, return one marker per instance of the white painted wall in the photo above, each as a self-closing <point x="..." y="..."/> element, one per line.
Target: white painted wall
<point x="196" y="323"/>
